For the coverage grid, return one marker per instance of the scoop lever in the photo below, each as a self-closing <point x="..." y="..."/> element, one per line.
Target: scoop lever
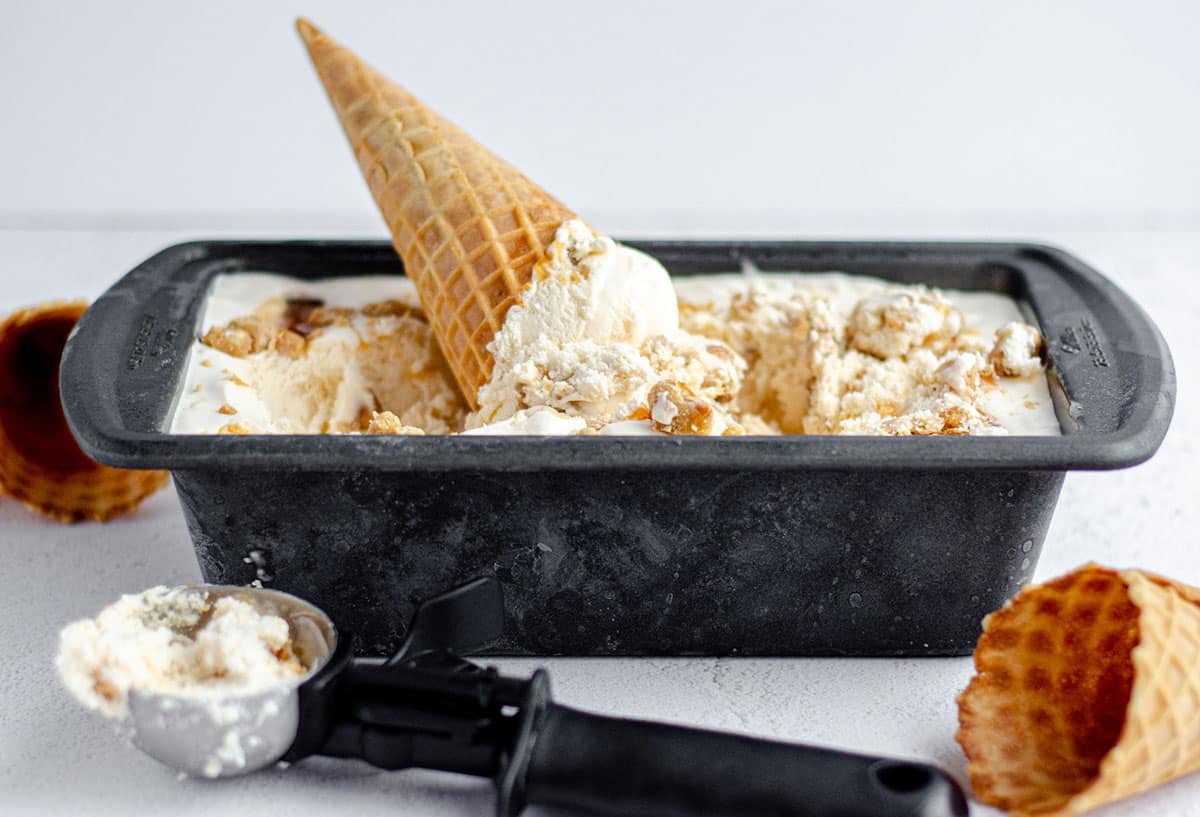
<point x="462" y="620"/>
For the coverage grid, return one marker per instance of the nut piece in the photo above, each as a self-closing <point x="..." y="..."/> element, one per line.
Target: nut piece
<point x="385" y="422"/>
<point x="392" y="308"/>
<point x="325" y="316"/>
<point x="297" y="309"/>
<point x="245" y="336"/>
<point x="235" y="342"/>
<point x="673" y="412"/>
<point x="289" y="343"/>
<point x="261" y="332"/>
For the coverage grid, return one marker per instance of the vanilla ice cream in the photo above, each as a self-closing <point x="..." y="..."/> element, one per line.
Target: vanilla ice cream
<point x="605" y="342"/>
<point x="174" y="641"/>
<point x="540" y="420"/>
<point x="595" y="331"/>
<point x="837" y="354"/>
<point x="315" y="357"/>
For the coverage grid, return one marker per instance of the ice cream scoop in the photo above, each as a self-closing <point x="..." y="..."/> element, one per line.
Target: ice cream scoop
<point x="428" y="707"/>
<point x="219" y="735"/>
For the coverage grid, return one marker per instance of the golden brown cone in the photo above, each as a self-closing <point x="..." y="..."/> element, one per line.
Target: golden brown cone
<point x="40" y="463"/>
<point x="1087" y="690"/>
<point x="468" y="225"/>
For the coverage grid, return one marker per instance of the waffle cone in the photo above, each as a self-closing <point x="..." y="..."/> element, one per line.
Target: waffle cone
<point x="40" y="463"/>
<point x="1087" y="690"/>
<point x="468" y="225"/>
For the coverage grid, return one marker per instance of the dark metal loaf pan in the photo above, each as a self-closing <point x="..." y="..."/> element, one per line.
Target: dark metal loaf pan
<point x="609" y="546"/>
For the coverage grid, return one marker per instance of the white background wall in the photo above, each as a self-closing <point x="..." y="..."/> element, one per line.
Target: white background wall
<point x="821" y="115"/>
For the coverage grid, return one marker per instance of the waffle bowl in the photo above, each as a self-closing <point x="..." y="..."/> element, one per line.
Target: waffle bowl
<point x="41" y="465"/>
<point x="1087" y="691"/>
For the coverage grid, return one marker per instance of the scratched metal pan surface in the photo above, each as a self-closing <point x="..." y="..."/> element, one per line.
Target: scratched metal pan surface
<point x="646" y="546"/>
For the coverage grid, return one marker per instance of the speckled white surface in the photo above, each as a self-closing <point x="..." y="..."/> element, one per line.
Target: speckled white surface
<point x="57" y="759"/>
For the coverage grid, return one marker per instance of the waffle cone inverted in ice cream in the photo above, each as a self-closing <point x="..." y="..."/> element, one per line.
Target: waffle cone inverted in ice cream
<point x="40" y="463"/>
<point x="1087" y="690"/>
<point x="468" y="225"/>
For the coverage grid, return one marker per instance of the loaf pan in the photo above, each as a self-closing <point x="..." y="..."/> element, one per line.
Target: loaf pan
<point x="790" y="545"/>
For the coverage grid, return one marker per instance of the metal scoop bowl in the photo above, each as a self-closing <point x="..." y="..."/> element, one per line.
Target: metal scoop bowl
<point x="219" y="734"/>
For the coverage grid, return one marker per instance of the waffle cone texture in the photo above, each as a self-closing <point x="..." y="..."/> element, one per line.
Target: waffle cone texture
<point x="468" y="226"/>
<point x="1087" y="690"/>
<point x="41" y="465"/>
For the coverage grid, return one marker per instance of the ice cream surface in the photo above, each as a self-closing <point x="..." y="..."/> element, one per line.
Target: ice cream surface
<point x="604" y="342"/>
<point x="315" y="357"/>
<point x="830" y="353"/>
<point x="174" y="641"/>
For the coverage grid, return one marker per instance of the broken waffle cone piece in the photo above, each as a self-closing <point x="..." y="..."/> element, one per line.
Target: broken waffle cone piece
<point x="40" y="463"/>
<point x="469" y="226"/>
<point x="1087" y="690"/>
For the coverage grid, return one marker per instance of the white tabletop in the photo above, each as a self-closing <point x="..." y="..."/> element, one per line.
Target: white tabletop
<point x="56" y="758"/>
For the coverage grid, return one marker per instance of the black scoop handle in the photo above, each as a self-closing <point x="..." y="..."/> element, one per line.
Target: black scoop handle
<point x="609" y="766"/>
